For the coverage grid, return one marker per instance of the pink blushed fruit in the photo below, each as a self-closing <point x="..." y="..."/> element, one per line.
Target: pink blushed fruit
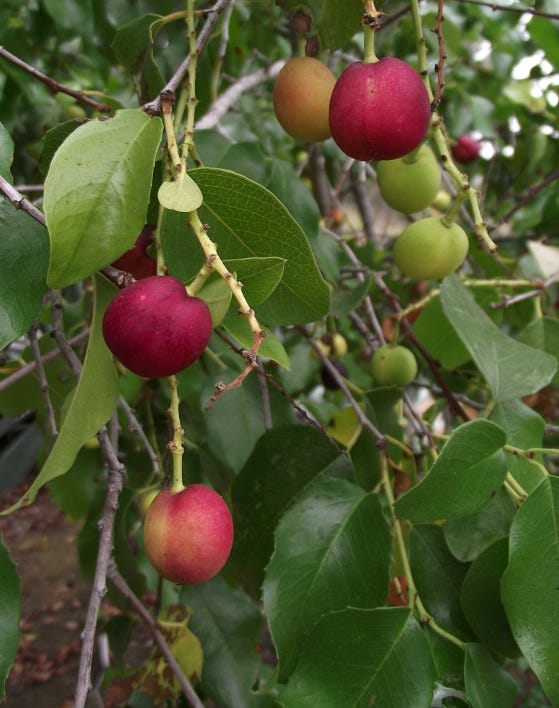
<point x="379" y="110"/>
<point x="188" y="535"/>
<point x="465" y="150"/>
<point x="155" y="329"/>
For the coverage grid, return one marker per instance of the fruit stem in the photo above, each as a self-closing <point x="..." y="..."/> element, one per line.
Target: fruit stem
<point x="450" y="216"/>
<point x="370" y="22"/>
<point x="191" y="82"/>
<point x="175" y="445"/>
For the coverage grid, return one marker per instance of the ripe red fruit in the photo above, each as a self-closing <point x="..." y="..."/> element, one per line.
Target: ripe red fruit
<point x="137" y="260"/>
<point x="466" y="149"/>
<point x="380" y="110"/>
<point x="155" y="329"/>
<point x="301" y="98"/>
<point x="188" y="535"/>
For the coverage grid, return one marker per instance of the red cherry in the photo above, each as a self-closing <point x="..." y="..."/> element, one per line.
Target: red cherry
<point x="380" y="110"/>
<point x="188" y="535"/>
<point x="466" y="149"/>
<point x="155" y="329"/>
<point x="137" y="261"/>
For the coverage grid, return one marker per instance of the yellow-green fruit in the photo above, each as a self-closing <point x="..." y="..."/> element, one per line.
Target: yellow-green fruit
<point x="301" y="98"/>
<point x="410" y="183"/>
<point x="393" y="365"/>
<point x="442" y="200"/>
<point x="428" y="249"/>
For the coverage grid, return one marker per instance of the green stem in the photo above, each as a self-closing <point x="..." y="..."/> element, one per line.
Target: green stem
<point x="450" y="216"/>
<point x="369" y="55"/>
<point x="175" y="445"/>
<point x="192" y="69"/>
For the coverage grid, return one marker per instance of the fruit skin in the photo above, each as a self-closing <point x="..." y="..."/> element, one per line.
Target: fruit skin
<point x="136" y="260"/>
<point x="379" y="111"/>
<point x="155" y="329"/>
<point x="410" y="183"/>
<point x="465" y="150"/>
<point x="393" y="365"/>
<point x="328" y="380"/>
<point x="442" y="201"/>
<point x="188" y="535"/>
<point x="428" y="249"/>
<point x="301" y="97"/>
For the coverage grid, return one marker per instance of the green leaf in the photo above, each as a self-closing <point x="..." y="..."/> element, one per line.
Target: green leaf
<point x="481" y="600"/>
<point x="24" y="254"/>
<point x="283" y="463"/>
<point x="467" y="473"/>
<point x="336" y="22"/>
<point x="88" y="407"/>
<point x="6" y="153"/>
<point x="217" y="295"/>
<point x="97" y="193"/>
<point x="470" y="535"/>
<point x="511" y="369"/>
<point x="529" y="585"/>
<point x="358" y="657"/>
<point x="488" y="685"/>
<point x="10" y="610"/>
<point x="246" y="220"/>
<point x="182" y="195"/>
<point x="332" y="550"/>
<point x="543" y="334"/>
<point x="259" y="276"/>
<point x="74" y="491"/>
<point x="438" y="577"/>
<point x="270" y="347"/>
<point x="524" y="429"/>
<point x="229" y="626"/>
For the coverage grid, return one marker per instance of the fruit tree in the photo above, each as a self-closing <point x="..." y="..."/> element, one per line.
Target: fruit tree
<point x="279" y="328"/>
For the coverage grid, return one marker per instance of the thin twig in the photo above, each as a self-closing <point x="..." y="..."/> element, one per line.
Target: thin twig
<point x="530" y="194"/>
<point x="120" y="583"/>
<point x="51" y="84"/>
<point x="519" y="10"/>
<point x="135" y="427"/>
<point x="265" y="398"/>
<point x="41" y="375"/>
<point x="438" y="30"/>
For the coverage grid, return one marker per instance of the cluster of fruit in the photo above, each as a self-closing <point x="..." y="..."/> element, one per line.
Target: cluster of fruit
<point x="380" y="111"/>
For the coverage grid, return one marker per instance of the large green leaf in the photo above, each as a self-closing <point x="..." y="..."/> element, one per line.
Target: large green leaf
<point x="512" y="369"/>
<point x="467" y="473"/>
<point x="438" y="577"/>
<point x="259" y="276"/>
<point x="336" y="22"/>
<point x="488" y="685"/>
<point x="359" y="658"/>
<point x="229" y="626"/>
<point x="333" y="550"/>
<point x="246" y="220"/>
<point x="284" y="462"/>
<point x="24" y="254"/>
<point x="543" y="333"/>
<point x="10" y="610"/>
<point x="481" y="600"/>
<point x="97" y="193"/>
<point x="88" y="407"/>
<point x="530" y="582"/>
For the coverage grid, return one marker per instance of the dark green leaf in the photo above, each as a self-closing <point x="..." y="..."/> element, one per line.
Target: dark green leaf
<point x="543" y="333"/>
<point x="284" y="462"/>
<point x="24" y="254"/>
<point x="488" y="685"/>
<point x="530" y="584"/>
<point x="332" y="550"/>
<point x="336" y="22"/>
<point x="97" y="193"/>
<point x="6" y="153"/>
<point x="88" y="407"/>
<point x="259" y="276"/>
<point x="467" y="473"/>
<point x="511" y="369"/>
<point x="360" y="658"/>
<point x="10" y="610"/>
<point x="270" y="347"/>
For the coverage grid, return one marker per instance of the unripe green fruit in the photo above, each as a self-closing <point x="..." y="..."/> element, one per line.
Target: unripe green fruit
<point x="410" y="183"/>
<point x="442" y="201"/>
<point x="301" y="98"/>
<point x="428" y="249"/>
<point x="393" y="365"/>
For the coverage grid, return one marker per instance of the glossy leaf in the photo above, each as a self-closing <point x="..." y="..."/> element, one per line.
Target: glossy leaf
<point x="246" y="220"/>
<point x="88" y="407"/>
<point x="481" y="600"/>
<point x="358" y="657"/>
<point x="469" y="470"/>
<point x="438" y="577"/>
<point x="530" y="582"/>
<point x="10" y="610"/>
<point x="332" y="550"/>
<point x="511" y="369"/>
<point x="488" y="685"/>
<point x="270" y="347"/>
<point x="284" y="462"/>
<point x="97" y="193"/>
<point x="259" y="276"/>
<point x="24" y="254"/>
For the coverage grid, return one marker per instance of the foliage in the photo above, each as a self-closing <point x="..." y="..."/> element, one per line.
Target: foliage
<point x="447" y="487"/>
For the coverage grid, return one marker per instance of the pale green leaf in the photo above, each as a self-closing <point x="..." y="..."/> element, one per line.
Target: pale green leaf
<point x="182" y="195"/>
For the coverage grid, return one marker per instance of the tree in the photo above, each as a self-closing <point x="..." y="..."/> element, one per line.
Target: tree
<point x="398" y="543"/>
